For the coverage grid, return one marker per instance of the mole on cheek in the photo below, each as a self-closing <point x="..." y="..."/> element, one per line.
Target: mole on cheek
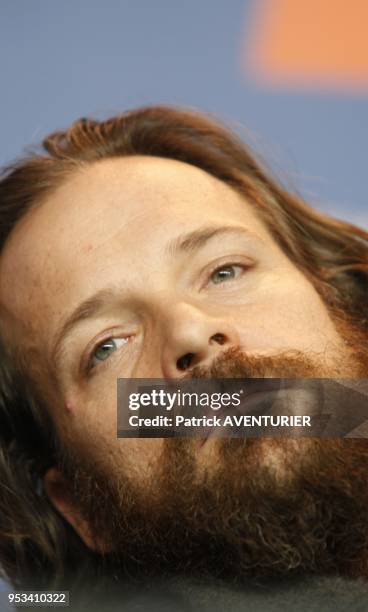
<point x="69" y="406"/>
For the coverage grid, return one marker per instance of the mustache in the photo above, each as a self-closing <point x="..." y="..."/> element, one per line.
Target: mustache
<point x="236" y="363"/>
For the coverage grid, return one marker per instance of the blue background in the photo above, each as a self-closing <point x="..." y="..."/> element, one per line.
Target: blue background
<point x="71" y="58"/>
<point x="63" y="60"/>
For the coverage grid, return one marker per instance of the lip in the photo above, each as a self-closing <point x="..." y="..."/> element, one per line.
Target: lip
<point x="252" y="400"/>
<point x="263" y="385"/>
<point x="260" y="391"/>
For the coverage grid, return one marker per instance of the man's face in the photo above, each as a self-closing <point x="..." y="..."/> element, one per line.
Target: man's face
<point x="147" y="267"/>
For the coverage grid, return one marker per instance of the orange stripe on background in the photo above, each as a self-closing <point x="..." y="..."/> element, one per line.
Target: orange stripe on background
<point x="311" y="42"/>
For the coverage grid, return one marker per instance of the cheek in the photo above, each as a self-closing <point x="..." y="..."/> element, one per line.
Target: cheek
<point x="140" y="457"/>
<point x="92" y="429"/>
<point x="290" y="316"/>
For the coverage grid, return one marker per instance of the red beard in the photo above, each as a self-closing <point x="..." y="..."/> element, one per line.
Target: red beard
<point x="243" y="517"/>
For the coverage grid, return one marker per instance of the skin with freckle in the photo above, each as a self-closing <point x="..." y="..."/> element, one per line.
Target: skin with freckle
<point x="165" y="306"/>
<point x="154" y="268"/>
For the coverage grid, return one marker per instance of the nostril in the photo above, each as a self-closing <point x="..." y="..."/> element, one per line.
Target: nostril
<point x="219" y="338"/>
<point x="184" y="362"/>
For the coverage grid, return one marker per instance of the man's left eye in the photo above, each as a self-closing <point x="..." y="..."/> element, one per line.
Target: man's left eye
<point x="103" y="351"/>
<point x="225" y="273"/>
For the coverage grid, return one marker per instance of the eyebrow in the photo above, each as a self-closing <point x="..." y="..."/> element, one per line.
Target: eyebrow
<point x="186" y="243"/>
<point x="193" y="241"/>
<point x="85" y="310"/>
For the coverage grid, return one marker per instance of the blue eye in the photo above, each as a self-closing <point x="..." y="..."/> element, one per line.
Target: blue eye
<point x="104" y="350"/>
<point x="225" y="273"/>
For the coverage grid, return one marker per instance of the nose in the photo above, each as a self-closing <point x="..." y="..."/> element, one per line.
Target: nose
<point x="193" y="338"/>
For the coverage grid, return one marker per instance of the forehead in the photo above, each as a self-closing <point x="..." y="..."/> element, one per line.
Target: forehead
<point x="125" y="208"/>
